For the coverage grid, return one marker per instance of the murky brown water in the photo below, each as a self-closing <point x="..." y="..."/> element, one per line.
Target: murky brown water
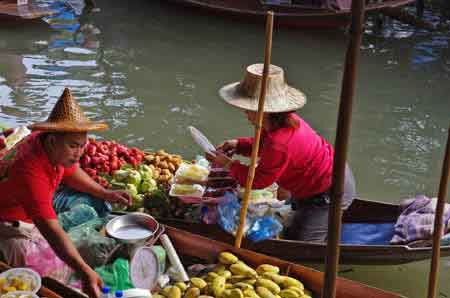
<point x="150" y="69"/>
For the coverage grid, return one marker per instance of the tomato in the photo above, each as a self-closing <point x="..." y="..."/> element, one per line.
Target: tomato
<point x="91" y="149"/>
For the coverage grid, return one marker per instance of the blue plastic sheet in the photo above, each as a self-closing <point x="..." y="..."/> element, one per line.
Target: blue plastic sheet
<point x="367" y="233"/>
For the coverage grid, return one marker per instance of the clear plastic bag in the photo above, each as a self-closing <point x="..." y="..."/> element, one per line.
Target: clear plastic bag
<point x="93" y="246"/>
<point x="76" y="216"/>
<point x="258" y="225"/>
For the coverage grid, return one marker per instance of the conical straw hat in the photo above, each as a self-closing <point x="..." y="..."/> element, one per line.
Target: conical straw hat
<point x="67" y="116"/>
<point x="280" y="97"/>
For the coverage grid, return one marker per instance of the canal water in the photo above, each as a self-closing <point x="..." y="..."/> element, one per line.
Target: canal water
<point x="150" y="69"/>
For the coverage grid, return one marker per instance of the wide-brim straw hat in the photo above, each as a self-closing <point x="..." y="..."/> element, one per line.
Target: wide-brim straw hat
<point x="280" y="97"/>
<point x="67" y="116"/>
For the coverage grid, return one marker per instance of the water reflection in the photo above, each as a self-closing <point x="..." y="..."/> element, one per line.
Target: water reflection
<point x="70" y="55"/>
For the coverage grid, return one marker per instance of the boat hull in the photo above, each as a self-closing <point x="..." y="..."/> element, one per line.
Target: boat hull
<point x="301" y="251"/>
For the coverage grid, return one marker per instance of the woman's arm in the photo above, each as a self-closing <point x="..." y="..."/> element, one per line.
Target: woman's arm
<point x="82" y="182"/>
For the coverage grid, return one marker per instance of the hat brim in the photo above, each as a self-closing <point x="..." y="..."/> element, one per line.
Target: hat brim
<point x="293" y="99"/>
<point x="68" y="126"/>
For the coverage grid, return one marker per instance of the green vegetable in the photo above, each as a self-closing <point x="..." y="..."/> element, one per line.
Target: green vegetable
<point x="132" y="189"/>
<point x="134" y="177"/>
<point x="120" y="175"/>
<point x="147" y="186"/>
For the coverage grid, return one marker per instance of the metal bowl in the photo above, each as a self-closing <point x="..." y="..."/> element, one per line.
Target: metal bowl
<point x="132" y="228"/>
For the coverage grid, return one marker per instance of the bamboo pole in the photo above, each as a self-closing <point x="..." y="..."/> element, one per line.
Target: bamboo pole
<point x="341" y="144"/>
<point x="437" y="232"/>
<point x="255" y="148"/>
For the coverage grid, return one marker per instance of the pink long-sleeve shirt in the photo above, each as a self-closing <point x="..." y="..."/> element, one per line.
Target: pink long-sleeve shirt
<point x="298" y="159"/>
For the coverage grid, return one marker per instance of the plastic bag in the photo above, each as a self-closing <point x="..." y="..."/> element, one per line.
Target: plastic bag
<point x="264" y="228"/>
<point x="258" y="225"/>
<point x="76" y="216"/>
<point x="40" y="257"/>
<point x="116" y="275"/>
<point x="229" y="214"/>
<point x="67" y="198"/>
<point x="93" y="246"/>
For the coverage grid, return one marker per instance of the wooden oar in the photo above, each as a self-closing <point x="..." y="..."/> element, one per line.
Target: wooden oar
<point x="341" y="143"/>
<point x="437" y="232"/>
<point x="255" y="148"/>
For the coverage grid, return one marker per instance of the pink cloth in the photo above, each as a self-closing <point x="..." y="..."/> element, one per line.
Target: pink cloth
<point x="299" y="160"/>
<point x="26" y="247"/>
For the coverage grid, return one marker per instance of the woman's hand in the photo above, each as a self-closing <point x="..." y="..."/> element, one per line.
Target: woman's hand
<point x="219" y="159"/>
<point x="92" y="283"/>
<point x="228" y="147"/>
<point x="118" y="196"/>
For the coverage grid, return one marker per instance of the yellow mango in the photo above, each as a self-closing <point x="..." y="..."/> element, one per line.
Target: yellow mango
<point x="267" y="268"/>
<point x="242" y="269"/>
<point x="251" y="281"/>
<point x="183" y="287"/>
<point x="205" y="296"/>
<point x="228" y="286"/>
<point x="211" y="276"/>
<point x="298" y="290"/>
<point x="218" y="286"/>
<point x="235" y="293"/>
<point x="264" y="293"/>
<point x="165" y="291"/>
<point x="292" y="282"/>
<point x="278" y="279"/>
<point x="227" y="274"/>
<point x="226" y="293"/>
<point x="220" y="268"/>
<point x="289" y="294"/>
<point x="227" y="258"/>
<point x="250" y="293"/>
<point x="174" y="292"/>
<point x="198" y="282"/>
<point x="268" y="284"/>
<point x="237" y="278"/>
<point x="157" y="296"/>
<point x="191" y="293"/>
<point x="243" y="286"/>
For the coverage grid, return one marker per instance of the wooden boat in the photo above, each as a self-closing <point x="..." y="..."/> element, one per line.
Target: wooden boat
<point x="289" y="15"/>
<point x="10" y="12"/>
<point x="200" y="249"/>
<point x="361" y="211"/>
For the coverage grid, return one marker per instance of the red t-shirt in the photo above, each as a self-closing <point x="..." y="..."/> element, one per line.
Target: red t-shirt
<point x="298" y="159"/>
<point x="27" y="190"/>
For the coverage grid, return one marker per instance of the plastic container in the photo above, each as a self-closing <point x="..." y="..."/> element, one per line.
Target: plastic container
<point x="118" y="294"/>
<point x="20" y="294"/>
<point x="186" y="190"/>
<point x="29" y="277"/>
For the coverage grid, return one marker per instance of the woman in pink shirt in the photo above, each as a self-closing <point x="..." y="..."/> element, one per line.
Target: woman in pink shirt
<point x="291" y="153"/>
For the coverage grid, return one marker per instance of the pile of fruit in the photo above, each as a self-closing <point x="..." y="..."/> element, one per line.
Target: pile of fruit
<point x="163" y="164"/>
<point x="104" y="158"/>
<point x="138" y="182"/>
<point x="17" y="280"/>
<point x="232" y="278"/>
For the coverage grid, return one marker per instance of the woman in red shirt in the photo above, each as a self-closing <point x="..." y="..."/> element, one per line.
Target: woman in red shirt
<point x="291" y="153"/>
